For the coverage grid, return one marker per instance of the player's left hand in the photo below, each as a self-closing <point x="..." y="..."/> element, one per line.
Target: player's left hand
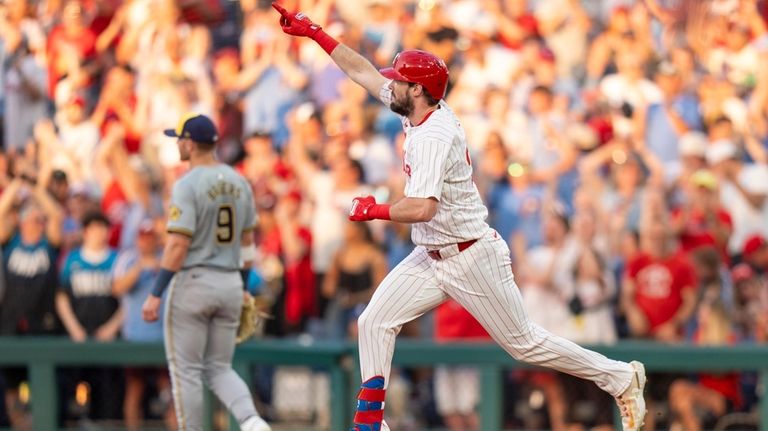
<point x="296" y="23"/>
<point x="150" y="310"/>
<point x="360" y="207"/>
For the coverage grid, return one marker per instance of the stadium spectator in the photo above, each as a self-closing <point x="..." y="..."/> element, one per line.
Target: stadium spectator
<point x="658" y="293"/>
<point x="457" y="389"/>
<point x="89" y="310"/>
<point x="693" y="148"/>
<point x="755" y="253"/>
<point x="117" y="105"/>
<point x="713" y="279"/>
<point x="24" y="95"/>
<point x="30" y="237"/>
<point x="675" y="114"/>
<point x="515" y="23"/>
<point x="517" y="208"/>
<point x="743" y="190"/>
<point x="751" y="303"/>
<point x="286" y="243"/>
<point x="331" y="192"/>
<point x="591" y="322"/>
<point x="381" y="32"/>
<point x="697" y="405"/>
<point x="277" y="88"/>
<point x="491" y="171"/>
<point x="701" y="220"/>
<point x="228" y="83"/>
<point x="543" y="276"/>
<point x="72" y="139"/>
<point x="619" y="35"/>
<point x="357" y="268"/>
<point x="619" y="197"/>
<point x="564" y="24"/>
<point x="629" y="86"/>
<point x="133" y="276"/>
<point x="267" y="172"/>
<point x="71" y="52"/>
<point x="294" y="242"/>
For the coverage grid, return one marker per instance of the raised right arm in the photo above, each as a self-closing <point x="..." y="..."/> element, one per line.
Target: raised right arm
<point x="351" y="63"/>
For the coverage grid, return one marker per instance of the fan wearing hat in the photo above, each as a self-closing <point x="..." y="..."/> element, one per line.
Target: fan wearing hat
<point x="692" y="147"/>
<point x="755" y="253"/>
<point x="700" y="220"/>
<point x="675" y="114"/>
<point x="743" y="190"/>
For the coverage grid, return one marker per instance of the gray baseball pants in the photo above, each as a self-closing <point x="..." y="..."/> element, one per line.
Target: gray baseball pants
<point x="202" y="313"/>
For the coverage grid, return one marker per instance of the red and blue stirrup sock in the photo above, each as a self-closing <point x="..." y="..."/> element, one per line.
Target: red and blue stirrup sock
<point x="370" y="405"/>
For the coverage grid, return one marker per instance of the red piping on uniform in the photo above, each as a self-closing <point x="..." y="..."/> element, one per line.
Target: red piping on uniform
<point x="427" y="116"/>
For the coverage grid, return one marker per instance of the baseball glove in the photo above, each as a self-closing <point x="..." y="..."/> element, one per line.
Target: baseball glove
<point x="252" y="318"/>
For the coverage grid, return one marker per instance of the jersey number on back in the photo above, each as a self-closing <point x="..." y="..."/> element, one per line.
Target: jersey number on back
<point x="225" y="223"/>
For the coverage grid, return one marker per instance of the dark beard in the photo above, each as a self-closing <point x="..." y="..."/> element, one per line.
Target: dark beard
<point x="404" y="109"/>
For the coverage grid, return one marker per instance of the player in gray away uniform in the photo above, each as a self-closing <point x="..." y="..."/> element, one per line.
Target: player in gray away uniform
<point x="210" y="242"/>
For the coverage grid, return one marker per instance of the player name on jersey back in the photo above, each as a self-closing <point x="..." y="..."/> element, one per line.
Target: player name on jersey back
<point x="213" y="205"/>
<point x="224" y="188"/>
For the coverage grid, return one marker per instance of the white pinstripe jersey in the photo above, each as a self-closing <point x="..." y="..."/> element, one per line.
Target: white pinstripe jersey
<point x="437" y="164"/>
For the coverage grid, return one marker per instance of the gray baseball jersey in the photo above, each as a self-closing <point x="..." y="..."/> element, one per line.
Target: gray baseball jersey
<point x="213" y="205"/>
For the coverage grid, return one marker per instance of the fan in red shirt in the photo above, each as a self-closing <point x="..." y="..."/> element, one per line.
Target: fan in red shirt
<point x="457" y="389"/>
<point x="714" y="393"/>
<point x="516" y="24"/>
<point x="453" y="322"/>
<point x="118" y="103"/>
<point x="701" y="221"/>
<point x="70" y="44"/>
<point x="290" y="242"/>
<point x="659" y="292"/>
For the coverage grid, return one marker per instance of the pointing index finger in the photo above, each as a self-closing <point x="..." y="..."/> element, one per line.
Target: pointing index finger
<point x="280" y="9"/>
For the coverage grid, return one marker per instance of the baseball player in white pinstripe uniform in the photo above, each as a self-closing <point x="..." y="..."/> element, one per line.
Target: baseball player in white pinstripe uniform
<point x="457" y="254"/>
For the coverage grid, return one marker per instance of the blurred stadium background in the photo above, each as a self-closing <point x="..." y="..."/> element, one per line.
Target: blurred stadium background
<point x="621" y="146"/>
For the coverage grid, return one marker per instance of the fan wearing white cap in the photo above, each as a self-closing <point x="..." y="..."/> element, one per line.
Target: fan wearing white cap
<point x="743" y="190"/>
<point x="692" y="150"/>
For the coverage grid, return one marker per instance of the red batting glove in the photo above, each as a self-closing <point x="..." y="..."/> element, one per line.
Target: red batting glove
<point x="296" y="23"/>
<point x="360" y="208"/>
<point x="365" y="208"/>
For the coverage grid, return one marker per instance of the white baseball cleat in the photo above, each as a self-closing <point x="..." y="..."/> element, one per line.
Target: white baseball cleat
<point x="255" y="423"/>
<point x="631" y="403"/>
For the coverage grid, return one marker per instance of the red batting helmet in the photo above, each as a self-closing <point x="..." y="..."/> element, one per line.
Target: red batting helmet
<point x="420" y="67"/>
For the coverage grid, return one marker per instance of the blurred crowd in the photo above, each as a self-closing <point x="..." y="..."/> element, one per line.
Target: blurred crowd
<point x="621" y="146"/>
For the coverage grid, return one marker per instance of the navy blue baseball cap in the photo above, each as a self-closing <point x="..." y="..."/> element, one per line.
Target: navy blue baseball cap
<point x="196" y="127"/>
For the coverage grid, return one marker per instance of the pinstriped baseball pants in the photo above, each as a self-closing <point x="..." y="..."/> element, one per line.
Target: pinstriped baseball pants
<point x="479" y="278"/>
